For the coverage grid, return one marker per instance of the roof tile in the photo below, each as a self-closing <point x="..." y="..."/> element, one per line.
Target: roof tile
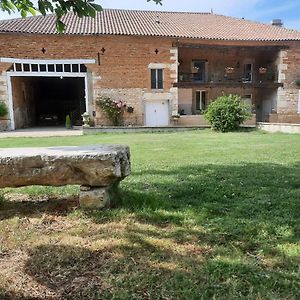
<point x="154" y="23"/>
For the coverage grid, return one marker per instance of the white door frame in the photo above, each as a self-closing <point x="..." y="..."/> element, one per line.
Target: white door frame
<point x="14" y="73"/>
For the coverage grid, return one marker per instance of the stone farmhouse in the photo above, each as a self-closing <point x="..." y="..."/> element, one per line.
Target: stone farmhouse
<point x="161" y="63"/>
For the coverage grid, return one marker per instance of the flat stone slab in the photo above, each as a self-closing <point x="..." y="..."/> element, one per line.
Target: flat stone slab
<point x="96" y="166"/>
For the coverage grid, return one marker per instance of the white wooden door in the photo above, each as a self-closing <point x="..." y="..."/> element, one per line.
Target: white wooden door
<point x="157" y="113"/>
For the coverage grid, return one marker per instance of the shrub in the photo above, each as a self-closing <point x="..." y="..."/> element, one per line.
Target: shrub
<point x="112" y="108"/>
<point x="227" y="112"/>
<point x="3" y="109"/>
<point x="68" y="122"/>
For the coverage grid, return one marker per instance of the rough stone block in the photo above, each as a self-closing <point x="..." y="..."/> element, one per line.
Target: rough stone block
<point x="98" y="198"/>
<point x="96" y="166"/>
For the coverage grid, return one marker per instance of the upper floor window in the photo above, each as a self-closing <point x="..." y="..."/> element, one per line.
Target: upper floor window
<point x="157" y="79"/>
<point x="248" y="68"/>
<point x="198" y="70"/>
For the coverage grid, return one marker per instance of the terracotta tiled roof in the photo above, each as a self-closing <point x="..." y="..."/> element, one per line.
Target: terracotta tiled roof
<point x="153" y="23"/>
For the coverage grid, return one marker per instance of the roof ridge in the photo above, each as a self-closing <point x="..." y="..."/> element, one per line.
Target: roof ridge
<point x="109" y="9"/>
<point x="161" y="11"/>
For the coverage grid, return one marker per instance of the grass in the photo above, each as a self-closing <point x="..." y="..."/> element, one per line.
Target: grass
<point x="203" y="216"/>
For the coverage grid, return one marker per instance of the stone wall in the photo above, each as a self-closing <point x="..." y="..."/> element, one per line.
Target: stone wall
<point x="288" y="96"/>
<point x="4" y="121"/>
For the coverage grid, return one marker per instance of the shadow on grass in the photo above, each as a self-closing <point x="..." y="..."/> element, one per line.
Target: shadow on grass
<point x="225" y="198"/>
<point x="10" y="209"/>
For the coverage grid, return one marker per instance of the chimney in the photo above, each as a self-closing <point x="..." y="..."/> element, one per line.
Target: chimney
<point x="277" y="22"/>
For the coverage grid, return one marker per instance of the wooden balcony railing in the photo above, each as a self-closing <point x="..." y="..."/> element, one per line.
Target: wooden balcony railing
<point x="186" y="80"/>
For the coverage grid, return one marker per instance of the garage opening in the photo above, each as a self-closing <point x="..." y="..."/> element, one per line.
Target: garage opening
<point x="46" y="101"/>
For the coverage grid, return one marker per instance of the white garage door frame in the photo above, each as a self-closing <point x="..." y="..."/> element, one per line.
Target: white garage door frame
<point x="47" y="73"/>
<point x="157" y="101"/>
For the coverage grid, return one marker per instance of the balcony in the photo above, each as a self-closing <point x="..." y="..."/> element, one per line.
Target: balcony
<point x="237" y="67"/>
<point x="259" y="79"/>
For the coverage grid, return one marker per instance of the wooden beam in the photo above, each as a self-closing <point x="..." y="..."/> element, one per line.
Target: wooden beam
<point x="186" y="85"/>
<point x="221" y="47"/>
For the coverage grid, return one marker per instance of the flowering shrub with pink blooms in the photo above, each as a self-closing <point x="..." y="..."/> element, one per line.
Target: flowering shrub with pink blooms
<point x="112" y="108"/>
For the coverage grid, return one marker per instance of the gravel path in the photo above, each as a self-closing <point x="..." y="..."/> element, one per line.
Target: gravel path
<point x="40" y="132"/>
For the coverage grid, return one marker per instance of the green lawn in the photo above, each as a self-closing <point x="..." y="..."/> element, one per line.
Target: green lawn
<point x="203" y="216"/>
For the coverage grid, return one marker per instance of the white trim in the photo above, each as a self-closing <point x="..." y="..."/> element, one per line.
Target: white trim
<point x="45" y="74"/>
<point x="200" y="103"/>
<point x="42" y="74"/>
<point x="158" y="66"/>
<point x="10" y="102"/>
<point x="47" y="61"/>
<point x="86" y="93"/>
<point x="299" y="102"/>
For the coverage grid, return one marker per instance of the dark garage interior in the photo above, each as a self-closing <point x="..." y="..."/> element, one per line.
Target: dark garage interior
<point x="46" y="101"/>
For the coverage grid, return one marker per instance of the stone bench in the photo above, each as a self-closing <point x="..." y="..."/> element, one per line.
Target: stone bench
<point x="98" y="169"/>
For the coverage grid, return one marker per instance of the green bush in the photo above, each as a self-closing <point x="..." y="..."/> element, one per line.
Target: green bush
<point x="227" y="112"/>
<point x="68" y="122"/>
<point x="3" y="109"/>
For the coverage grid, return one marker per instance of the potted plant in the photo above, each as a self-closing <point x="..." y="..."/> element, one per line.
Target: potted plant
<point x="262" y="70"/>
<point x="175" y="117"/>
<point x="229" y="70"/>
<point x="298" y="82"/>
<point x="86" y="119"/>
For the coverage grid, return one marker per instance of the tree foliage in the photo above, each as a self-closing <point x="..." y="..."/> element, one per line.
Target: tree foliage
<point x="227" y="112"/>
<point x="58" y="7"/>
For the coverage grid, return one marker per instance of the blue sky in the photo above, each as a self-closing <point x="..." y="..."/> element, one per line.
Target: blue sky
<point x="257" y="10"/>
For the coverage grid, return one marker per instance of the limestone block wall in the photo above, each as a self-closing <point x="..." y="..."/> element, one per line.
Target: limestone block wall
<point x="288" y="96"/>
<point x="4" y="121"/>
<point x="131" y="96"/>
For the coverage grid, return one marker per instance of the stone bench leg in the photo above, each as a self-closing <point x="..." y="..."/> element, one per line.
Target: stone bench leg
<point x="98" y="197"/>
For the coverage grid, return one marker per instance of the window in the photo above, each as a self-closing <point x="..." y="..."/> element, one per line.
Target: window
<point x="157" y="79"/>
<point x="247" y="73"/>
<point x="200" y="100"/>
<point x="198" y="70"/>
